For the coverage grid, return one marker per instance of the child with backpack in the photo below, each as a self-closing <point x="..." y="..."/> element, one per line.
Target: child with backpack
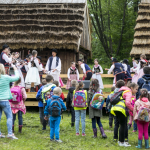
<point x="44" y="93"/>
<point x="111" y="117"/>
<point x="17" y="103"/>
<point x="95" y="114"/>
<point x="54" y="107"/>
<point x="57" y="84"/>
<point x="141" y="114"/>
<point x="80" y="105"/>
<point x="121" y="109"/>
<point x="69" y="101"/>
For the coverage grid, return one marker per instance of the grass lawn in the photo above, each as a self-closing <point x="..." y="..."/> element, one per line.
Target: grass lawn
<point x="33" y="138"/>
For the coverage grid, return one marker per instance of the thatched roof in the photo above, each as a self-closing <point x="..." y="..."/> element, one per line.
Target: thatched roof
<point x="38" y="24"/>
<point x="141" y="43"/>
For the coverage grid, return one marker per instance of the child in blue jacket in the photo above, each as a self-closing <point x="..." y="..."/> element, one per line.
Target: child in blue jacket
<point x="54" y="120"/>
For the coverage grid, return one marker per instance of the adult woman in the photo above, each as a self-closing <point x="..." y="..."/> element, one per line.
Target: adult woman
<point x="5" y="95"/>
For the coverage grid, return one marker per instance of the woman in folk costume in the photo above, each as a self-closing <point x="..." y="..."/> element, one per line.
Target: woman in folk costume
<point x="53" y="66"/>
<point x="73" y="74"/>
<point x="19" y="66"/>
<point x="4" y="59"/>
<point x="33" y="73"/>
<point x="127" y="70"/>
<point x="86" y="70"/>
<point x="97" y="71"/>
<point x="134" y="69"/>
<point x="117" y="69"/>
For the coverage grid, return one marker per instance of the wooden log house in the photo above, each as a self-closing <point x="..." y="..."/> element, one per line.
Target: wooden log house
<point x="47" y="24"/>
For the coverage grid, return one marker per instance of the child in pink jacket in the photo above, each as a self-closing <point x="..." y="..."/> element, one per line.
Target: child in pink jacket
<point x="143" y="101"/>
<point x="19" y="107"/>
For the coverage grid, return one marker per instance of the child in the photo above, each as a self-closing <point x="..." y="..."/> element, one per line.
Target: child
<point x="121" y="113"/>
<point x="133" y="99"/>
<point x="95" y="114"/>
<point x="40" y="68"/>
<point x="73" y="74"/>
<point x="97" y="71"/>
<point x="33" y="73"/>
<point x="49" y="80"/>
<point x="134" y="69"/>
<point x="40" y="104"/>
<point x="107" y="107"/>
<point x="19" y="107"/>
<point x="54" y="116"/>
<point x="143" y="101"/>
<point x="62" y="94"/>
<point x="80" y="111"/>
<point x="69" y="101"/>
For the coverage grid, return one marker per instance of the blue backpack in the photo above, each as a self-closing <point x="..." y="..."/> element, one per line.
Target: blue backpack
<point x="146" y="85"/>
<point x="55" y="108"/>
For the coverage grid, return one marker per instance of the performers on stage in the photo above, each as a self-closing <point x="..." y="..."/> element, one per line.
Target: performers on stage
<point x="73" y="74"/>
<point x="86" y="70"/>
<point x="4" y="59"/>
<point x="53" y="66"/>
<point x="40" y="68"/>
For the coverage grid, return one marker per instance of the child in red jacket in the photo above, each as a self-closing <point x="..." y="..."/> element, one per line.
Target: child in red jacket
<point x="62" y="94"/>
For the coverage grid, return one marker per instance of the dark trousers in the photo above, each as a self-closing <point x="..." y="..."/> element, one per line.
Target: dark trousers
<point x="88" y="76"/>
<point x="44" y="121"/>
<point x="111" y="117"/>
<point x="149" y="130"/>
<point x="120" y="120"/>
<point x="41" y="113"/>
<point x="72" y="115"/>
<point x="19" y="118"/>
<point x="120" y="76"/>
<point x="94" y="120"/>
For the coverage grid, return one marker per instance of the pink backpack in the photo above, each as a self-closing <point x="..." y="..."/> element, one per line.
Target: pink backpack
<point x="79" y="99"/>
<point x="16" y="94"/>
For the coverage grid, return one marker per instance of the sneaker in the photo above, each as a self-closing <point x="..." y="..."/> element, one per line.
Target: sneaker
<point x="77" y="134"/>
<point x="83" y="134"/>
<point x="59" y="141"/>
<point x="2" y="136"/>
<point x="51" y="139"/>
<point x="120" y="143"/>
<point x="126" y="144"/>
<point x="134" y="130"/>
<point x="43" y="128"/>
<point x="12" y="136"/>
<point x="115" y="140"/>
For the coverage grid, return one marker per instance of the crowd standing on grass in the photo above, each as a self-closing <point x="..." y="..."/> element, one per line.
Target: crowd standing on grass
<point x="128" y="102"/>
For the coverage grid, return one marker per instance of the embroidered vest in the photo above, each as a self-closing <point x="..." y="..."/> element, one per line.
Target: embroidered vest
<point x="118" y="68"/>
<point x="2" y="61"/>
<point x="73" y="71"/>
<point x="50" y="62"/>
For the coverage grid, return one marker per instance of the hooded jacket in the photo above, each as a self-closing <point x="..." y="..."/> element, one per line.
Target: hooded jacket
<point x="127" y="97"/>
<point x="69" y="97"/>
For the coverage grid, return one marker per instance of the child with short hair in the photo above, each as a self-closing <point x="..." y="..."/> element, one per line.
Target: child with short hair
<point x="142" y="123"/>
<point x="57" y="84"/>
<point x="19" y="107"/>
<point x="55" y="117"/>
<point x="80" y="111"/>
<point x="111" y="117"/>
<point x="69" y="101"/>
<point x="95" y="114"/>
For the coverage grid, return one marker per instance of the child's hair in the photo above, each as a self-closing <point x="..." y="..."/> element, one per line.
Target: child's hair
<point x="17" y="82"/>
<point x="44" y="82"/>
<point x="144" y="93"/>
<point x="79" y="86"/>
<point x="73" y="63"/>
<point x="74" y="83"/>
<point x="120" y="83"/>
<point x="49" y="78"/>
<point x="57" y="90"/>
<point x="133" y="85"/>
<point x="146" y="70"/>
<point x="113" y="88"/>
<point x="143" y="56"/>
<point x="143" y="64"/>
<point x="96" y="59"/>
<point x="2" y="70"/>
<point x="56" y="83"/>
<point x="94" y="85"/>
<point x="34" y="52"/>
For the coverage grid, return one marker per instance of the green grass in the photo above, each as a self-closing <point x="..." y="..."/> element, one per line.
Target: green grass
<point x="33" y="138"/>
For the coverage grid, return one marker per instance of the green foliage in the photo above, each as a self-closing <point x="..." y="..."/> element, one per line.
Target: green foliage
<point x="33" y="138"/>
<point x="113" y="28"/>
